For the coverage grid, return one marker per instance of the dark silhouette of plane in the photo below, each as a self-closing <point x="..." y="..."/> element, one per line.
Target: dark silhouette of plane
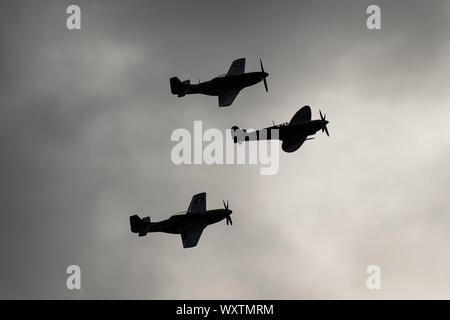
<point x="226" y="86"/>
<point x="189" y="225"/>
<point x="292" y="134"/>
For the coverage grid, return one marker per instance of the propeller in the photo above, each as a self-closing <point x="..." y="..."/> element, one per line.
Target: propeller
<point x="228" y="219"/>
<point x="264" y="79"/>
<point x="324" y="128"/>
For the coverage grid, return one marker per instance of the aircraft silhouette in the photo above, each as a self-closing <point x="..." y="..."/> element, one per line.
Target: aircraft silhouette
<point x="189" y="225"/>
<point x="226" y="86"/>
<point x="292" y="134"/>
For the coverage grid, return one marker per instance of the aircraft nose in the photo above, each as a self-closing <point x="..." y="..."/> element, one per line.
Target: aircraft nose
<point x="327" y="122"/>
<point x="230" y="211"/>
<point x="265" y="74"/>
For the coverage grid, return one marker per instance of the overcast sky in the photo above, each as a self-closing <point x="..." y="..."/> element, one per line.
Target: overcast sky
<point x="85" y="123"/>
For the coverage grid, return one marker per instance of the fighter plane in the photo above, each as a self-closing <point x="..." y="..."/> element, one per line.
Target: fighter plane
<point x="292" y="134"/>
<point x="189" y="225"/>
<point x="226" y="86"/>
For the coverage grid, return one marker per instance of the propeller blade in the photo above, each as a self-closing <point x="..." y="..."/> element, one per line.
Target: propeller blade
<point x="264" y="79"/>
<point x="225" y="204"/>
<point x="229" y="221"/>
<point x="323" y="118"/>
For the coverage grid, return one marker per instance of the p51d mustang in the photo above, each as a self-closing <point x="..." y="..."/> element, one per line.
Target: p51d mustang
<point x="292" y="134"/>
<point x="189" y="225"/>
<point x="226" y="86"/>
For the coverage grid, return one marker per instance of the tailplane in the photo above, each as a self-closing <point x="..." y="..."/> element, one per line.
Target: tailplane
<point x="140" y="226"/>
<point x="179" y="88"/>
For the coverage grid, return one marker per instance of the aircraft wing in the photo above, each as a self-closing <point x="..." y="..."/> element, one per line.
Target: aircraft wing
<point x="191" y="236"/>
<point x="302" y="115"/>
<point x="198" y="204"/>
<point x="237" y="67"/>
<point x="292" y="144"/>
<point x="227" y="97"/>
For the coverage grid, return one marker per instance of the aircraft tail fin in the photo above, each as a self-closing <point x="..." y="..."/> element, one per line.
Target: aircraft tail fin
<point x="140" y="226"/>
<point x="179" y="88"/>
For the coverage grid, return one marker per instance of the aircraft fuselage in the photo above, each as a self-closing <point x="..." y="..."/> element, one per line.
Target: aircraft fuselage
<point x="301" y="129"/>
<point x="286" y="132"/>
<point x="176" y="224"/>
<point x="222" y="84"/>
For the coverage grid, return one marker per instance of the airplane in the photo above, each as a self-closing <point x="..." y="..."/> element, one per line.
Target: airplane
<point x="226" y="86"/>
<point x="292" y="134"/>
<point x="189" y="225"/>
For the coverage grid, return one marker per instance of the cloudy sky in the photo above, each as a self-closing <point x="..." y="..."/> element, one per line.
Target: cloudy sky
<point x="85" y="123"/>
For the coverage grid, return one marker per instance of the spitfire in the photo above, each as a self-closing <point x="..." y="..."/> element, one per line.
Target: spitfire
<point x="292" y="134"/>
<point x="226" y="86"/>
